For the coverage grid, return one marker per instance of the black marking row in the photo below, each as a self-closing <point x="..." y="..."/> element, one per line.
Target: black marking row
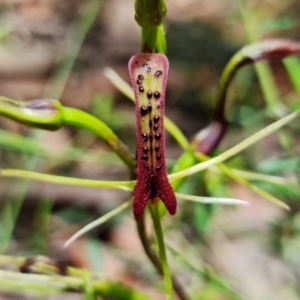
<point x="145" y="157"/>
<point x="146" y="150"/>
<point x="158" y="168"/>
<point x="145" y="136"/>
<point x="140" y="79"/>
<point x="157" y="73"/>
<point x="144" y="110"/>
<point x="147" y="109"/>
<point x="156" y="95"/>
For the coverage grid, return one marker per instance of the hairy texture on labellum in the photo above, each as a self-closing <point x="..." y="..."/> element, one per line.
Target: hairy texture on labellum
<point x="152" y="180"/>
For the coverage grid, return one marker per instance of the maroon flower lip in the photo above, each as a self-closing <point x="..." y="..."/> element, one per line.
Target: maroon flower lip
<point x="148" y="73"/>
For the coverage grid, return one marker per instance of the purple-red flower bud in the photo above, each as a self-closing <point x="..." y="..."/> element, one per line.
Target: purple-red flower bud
<point x="273" y="49"/>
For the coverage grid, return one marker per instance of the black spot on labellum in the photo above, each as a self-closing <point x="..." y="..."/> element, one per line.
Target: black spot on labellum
<point x="144" y="110"/>
<point x="156" y="119"/>
<point x="140" y="77"/>
<point x="158" y="73"/>
<point x="145" y="149"/>
<point x="158" y="156"/>
<point x="145" y="65"/>
<point x="141" y="89"/>
<point x="147" y="167"/>
<point x="155" y="127"/>
<point x="145" y="137"/>
<point x="139" y="81"/>
<point x="149" y="95"/>
<point x="150" y="123"/>
<point x="156" y="95"/>
<point x="151" y="137"/>
<point x="149" y="69"/>
<point x="159" y="167"/>
<point x="144" y="157"/>
<point x="157" y="136"/>
<point x="149" y="108"/>
<point x="156" y="148"/>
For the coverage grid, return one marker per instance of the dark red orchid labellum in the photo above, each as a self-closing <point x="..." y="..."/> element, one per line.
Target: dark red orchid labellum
<point x="149" y="74"/>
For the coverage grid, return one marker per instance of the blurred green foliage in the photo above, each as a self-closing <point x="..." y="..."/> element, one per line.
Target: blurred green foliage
<point x="192" y="45"/>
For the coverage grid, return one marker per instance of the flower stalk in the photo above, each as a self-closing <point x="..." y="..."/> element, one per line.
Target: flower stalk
<point x="162" y="250"/>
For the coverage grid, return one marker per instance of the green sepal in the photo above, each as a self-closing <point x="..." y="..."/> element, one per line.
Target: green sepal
<point x="42" y="113"/>
<point x="149" y="14"/>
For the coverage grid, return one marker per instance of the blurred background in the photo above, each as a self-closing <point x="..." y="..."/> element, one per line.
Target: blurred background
<point x="60" y="49"/>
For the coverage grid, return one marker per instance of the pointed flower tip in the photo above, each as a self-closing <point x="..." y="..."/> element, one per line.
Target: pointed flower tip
<point x="159" y="189"/>
<point x="208" y="138"/>
<point x="272" y="49"/>
<point x="42" y="113"/>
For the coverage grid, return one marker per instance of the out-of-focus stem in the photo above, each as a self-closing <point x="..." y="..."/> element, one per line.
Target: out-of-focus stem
<point x="149" y="38"/>
<point x="162" y="251"/>
<point x="155" y="259"/>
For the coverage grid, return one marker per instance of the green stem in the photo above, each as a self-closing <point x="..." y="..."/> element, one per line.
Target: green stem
<point x="120" y="185"/>
<point x="230" y="69"/>
<point x="161" y="43"/>
<point x="155" y="259"/>
<point x="162" y="251"/>
<point x="149" y="40"/>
